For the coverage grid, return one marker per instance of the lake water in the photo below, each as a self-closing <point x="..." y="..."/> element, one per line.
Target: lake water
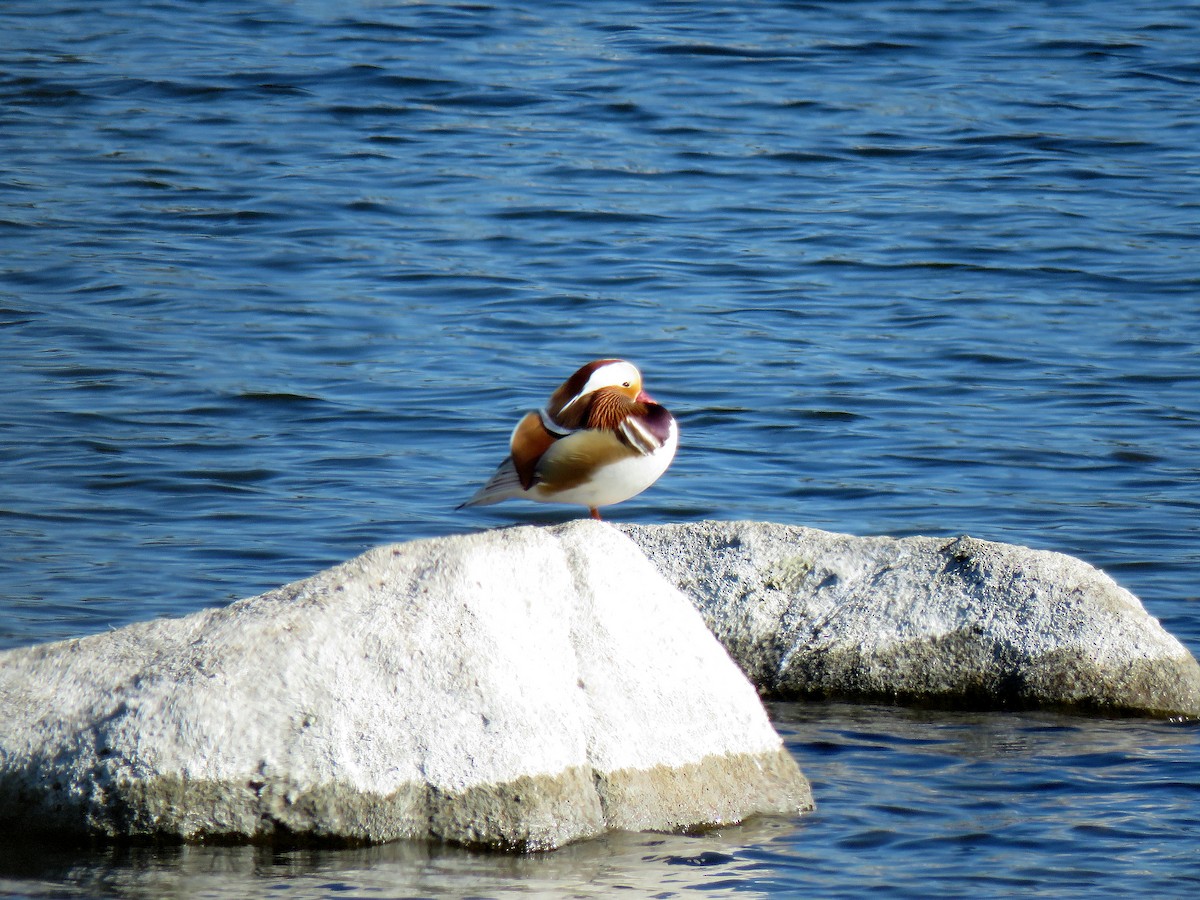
<point x="277" y="277"/>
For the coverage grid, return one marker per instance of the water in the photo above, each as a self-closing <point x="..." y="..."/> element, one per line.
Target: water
<point x="276" y="278"/>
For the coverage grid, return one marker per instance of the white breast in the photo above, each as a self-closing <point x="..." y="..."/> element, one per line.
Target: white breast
<point x="619" y="480"/>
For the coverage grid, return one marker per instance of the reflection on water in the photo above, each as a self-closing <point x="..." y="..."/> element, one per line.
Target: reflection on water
<point x="624" y="864"/>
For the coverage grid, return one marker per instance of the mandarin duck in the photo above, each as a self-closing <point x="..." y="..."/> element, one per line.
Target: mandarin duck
<point x="599" y="440"/>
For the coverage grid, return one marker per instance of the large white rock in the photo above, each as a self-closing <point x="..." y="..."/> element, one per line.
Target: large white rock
<point x="514" y="689"/>
<point x="961" y="622"/>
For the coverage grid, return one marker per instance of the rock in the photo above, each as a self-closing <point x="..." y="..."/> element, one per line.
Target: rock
<point x="964" y="622"/>
<point x="516" y="689"/>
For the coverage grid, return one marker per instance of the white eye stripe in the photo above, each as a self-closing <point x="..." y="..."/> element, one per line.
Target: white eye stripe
<point x="613" y="374"/>
<point x="619" y="373"/>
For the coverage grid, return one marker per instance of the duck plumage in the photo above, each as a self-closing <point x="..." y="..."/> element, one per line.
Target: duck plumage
<point x="599" y="440"/>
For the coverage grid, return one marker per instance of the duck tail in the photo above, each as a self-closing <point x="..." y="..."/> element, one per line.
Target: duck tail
<point x="504" y="484"/>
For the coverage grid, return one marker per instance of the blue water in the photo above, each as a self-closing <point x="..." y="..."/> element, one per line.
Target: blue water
<point x="276" y="278"/>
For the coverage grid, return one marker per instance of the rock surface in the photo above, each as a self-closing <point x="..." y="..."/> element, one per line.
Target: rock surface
<point x="516" y="689"/>
<point x="963" y="622"/>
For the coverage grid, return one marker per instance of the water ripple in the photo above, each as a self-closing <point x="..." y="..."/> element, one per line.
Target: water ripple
<point x="277" y="280"/>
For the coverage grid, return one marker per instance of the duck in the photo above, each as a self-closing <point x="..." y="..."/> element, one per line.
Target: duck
<point x="599" y="440"/>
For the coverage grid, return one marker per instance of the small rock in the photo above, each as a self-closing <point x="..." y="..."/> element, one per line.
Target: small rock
<point x="964" y="622"/>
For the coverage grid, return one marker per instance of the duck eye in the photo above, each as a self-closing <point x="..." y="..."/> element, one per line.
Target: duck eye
<point x="624" y="384"/>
